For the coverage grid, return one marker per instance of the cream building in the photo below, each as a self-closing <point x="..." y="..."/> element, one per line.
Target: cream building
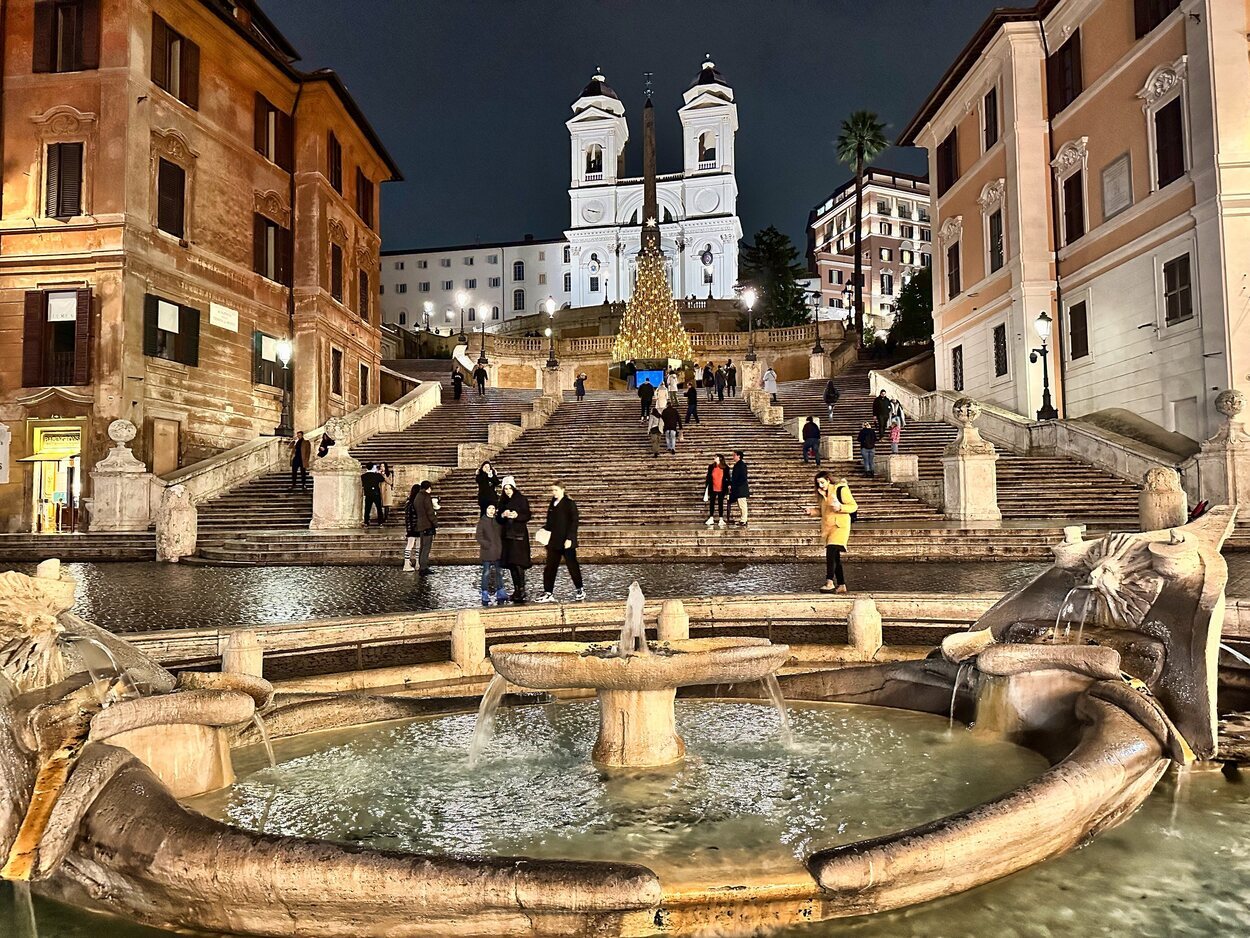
<point x="1090" y="159"/>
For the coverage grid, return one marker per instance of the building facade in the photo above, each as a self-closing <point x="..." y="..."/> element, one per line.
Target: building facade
<point x="897" y="242"/>
<point x="493" y="283"/>
<point x="698" y="206"/>
<point x="177" y="199"/>
<point x="1089" y="161"/>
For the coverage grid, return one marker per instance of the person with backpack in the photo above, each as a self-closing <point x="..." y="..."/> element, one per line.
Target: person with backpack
<point x="811" y="440"/>
<point x="831" y="396"/>
<point x="672" y="426"/>
<point x="420" y="523"/>
<point x="836" y="508"/>
<point x="655" y="432"/>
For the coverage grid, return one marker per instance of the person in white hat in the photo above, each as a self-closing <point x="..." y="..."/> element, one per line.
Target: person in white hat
<point x="514" y="516"/>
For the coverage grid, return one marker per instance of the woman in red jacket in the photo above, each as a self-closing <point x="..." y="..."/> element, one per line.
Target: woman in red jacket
<point x="716" y="488"/>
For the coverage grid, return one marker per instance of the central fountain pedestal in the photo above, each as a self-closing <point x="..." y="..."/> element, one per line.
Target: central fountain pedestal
<point x="638" y="728"/>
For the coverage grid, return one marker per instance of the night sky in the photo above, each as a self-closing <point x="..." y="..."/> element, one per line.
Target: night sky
<point x="471" y="96"/>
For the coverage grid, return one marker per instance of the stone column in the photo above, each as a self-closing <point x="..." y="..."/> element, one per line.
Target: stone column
<point x="176" y="524"/>
<point x="242" y="654"/>
<point x="1162" y="503"/>
<point x="969" y="473"/>
<point x="818" y="365"/>
<point x="338" y="501"/>
<point x="674" y="624"/>
<point x="122" y="485"/>
<point x="468" y="641"/>
<point x="1224" y="460"/>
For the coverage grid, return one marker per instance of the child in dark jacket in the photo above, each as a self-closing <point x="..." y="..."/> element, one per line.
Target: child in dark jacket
<point x="490" y="549"/>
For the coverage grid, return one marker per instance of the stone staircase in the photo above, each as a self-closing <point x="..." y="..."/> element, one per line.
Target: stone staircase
<point x="1030" y="488"/>
<point x="88" y="546"/>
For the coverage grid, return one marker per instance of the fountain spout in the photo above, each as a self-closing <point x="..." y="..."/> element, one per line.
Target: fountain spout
<point x="633" y="640"/>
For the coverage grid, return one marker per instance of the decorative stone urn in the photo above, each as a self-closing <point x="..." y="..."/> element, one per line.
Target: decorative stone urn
<point x="121" y="485"/>
<point x="338" y="502"/>
<point x="969" y="471"/>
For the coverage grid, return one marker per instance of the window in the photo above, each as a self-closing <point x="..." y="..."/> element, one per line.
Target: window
<point x="362" y="295"/>
<point x="67" y="35"/>
<point x="885" y="254"/>
<point x="63" y="185"/>
<point x="887" y="284"/>
<point x="907" y="231"/>
<point x="1177" y="294"/>
<point x="542" y="278"/>
<point x="472" y="314"/>
<point x="334" y="167"/>
<point x="1169" y="133"/>
<point x="1078" y="331"/>
<point x="423" y="265"/>
<point x="447" y="284"/>
<point x="56" y="339"/>
<point x="1000" y="350"/>
<point x="266" y="369"/>
<point x="707" y="146"/>
<point x="883" y="207"/>
<point x="403" y="318"/>
<point x="271" y="249"/>
<point x="470" y="283"/>
<point x="492" y="258"/>
<point x="885" y="228"/>
<point x="568" y="282"/>
<point x="947" y="162"/>
<point x="444" y="262"/>
<point x="399" y="265"/>
<point x="171" y="196"/>
<point x="336" y="272"/>
<point x="336" y="372"/>
<point x="542" y="255"/>
<point x="567" y="254"/>
<point x="995" y="224"/>
<point x="953" y="287"/>
<point x="926" y="234"/>
<point x="594" y="159"/>
<point x="364" y="385"/>
<point x="495" y="281"/>
<point x="926" y="260"/>
<point x="989" y="110"/>
<point x="381" y="289"/>
<point x="171" y="331"/>
<point x="1147" y="14"/>
<point x="518" y="301"/>
<point x="594" y="284"/>
<point x="904" y="210"/>
<point x="907" y="257"/>
<point x="957" y="368"/>
<point x="273" y="133"/>
<point x="175" y="63"/>
<point x="364" y="197"/>
<point x="494" y="312"/>
<point x="1074" y="207"/>
<point x="468" y="261"/>
<point x="518" y="270"/>
<point x="922" y="214"/>
<point x="1063" y="75"/>
<point x="423" y="286"/>
<point x="401" y="288"/>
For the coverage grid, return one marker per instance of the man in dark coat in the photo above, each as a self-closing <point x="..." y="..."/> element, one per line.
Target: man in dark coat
<point x="867" y="446"/>
<point x="479" y="378"/>
<point x="881" y="411"/>
<point x="721" y="379"/>
<point x="629" y="371"/>
<point x="646" y="394"/>
<point x="420" y="522"/>
<point x="301" y="455"/>
<point x="692" y="404"/>
<point x="514" y="516"/>
<point x="731" y="377"/>
<point x="709" y="380"/>
<point x="739" y="487"/>
<point x="811" y="440"/>
<point x="672" y="426"/>
<point x="371" y="485"/>
<point x="457" y="383"/>
<point x="831" y="396"/>
<point x="562" y="522"/>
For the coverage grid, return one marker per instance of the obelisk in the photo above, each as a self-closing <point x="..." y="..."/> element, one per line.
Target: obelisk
<point x="650" y="204"/>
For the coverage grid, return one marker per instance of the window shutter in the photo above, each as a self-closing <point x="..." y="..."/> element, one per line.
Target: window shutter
<point x="258" y="243"/>
<point x="82" y="338"/>
<point x="286" y="256"/>
<point x="1052" y="84"/>
<point x="170" y="196"/>
<point x="52" y="182"/>
<point x="257" y="338"/>
<point x="149" y="323"/>
<point x="160" y="53"/>
<point x="32" y="340"/>
<point x="189" y="336"/>
<point x="69" y="202"/>
<point x="260" y="125"/>
<point x="89" y="55"/>
<point x="334" y="161"/>
<point x="285" y="156"/>
<point x="1077" y="81"/>
<point x="41" y="59"/>
<point x="1170" y="143"/>
<point x="190" y="74"/>
<point x="336" y="272"/>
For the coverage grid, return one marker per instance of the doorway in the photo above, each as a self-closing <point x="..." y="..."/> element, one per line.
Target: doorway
<point x="56" y="494"/>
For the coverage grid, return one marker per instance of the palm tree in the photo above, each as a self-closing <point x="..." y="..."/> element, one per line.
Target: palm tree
<point x="861" y="140"/>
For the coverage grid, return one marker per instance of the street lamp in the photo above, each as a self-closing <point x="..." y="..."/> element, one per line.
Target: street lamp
<point x="284" y="351"/>
<point x="1042" y="325"/>
<point x="748" y="300"/>
<point x="427" y="309"/>
<point x="550" y="306"/>
<point x="462" y="300"/>
<point x="481" y="359"/>
<point x="707" y="275"/>
<point x="817" y="349"/>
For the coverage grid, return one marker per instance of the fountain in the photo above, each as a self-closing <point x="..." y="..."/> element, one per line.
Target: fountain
<point x="636" y="682"/>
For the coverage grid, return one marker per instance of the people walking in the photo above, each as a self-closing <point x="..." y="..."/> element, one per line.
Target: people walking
<point x="770" y="384"/>
<point x="387" y="487"/>
<point x="881" y="412"/>
<point x="709" y="379"/>
<point x="457" y="382"/>
<point x="731" y="377"/>
<point x="561" y="528"/>
<point x="420" y="523"/>
<point x="629" y="371"/>
<point x="489" y="537"/>
<point x="479" y="378"/>
<point x="301" y="456"/>
<point x="487" y="487"/>
<point x="371" y="486"/>
<point x="323" y="447"/>
<point x="655" y="431"/>
<point x="514" y="517"/>
<point x="692" y="404"/>
<point x="715" y="488"/>
<point x="579" y="386"/>
<point x="831" y="396"/>
<point x="720" y="378"/>
<point x="895" y="433"/>
<point x="867" y="446"/>
<point x="835" y="507"/>
<point x="672" y="426"/>
<point x="670" y="381"/>
<point x="646" y="394"/>
<point x="739" y="487"/>
<point x="811" y="440"/>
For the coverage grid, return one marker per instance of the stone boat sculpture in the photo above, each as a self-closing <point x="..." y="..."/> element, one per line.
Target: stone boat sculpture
<point x="91" y="769"/>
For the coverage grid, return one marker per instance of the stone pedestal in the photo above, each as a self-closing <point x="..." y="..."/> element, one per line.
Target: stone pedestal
<point x="243" y="654"/>
<point x="122" y="486"/>
<point x="1224" y="460"/>
<point x="750" y="374"/>
<point x="468" y="641"/>
<point x="553" y="384"/>
<point x="638" y="728"/>
<point x="969" y="471"/>
<point x="338" y="501"/>
<point x="674" y="623"/>
<point x="897" y="467"/>
<point x="837" y="448"/>
<point x="177" y="523"/>
<point x="818" y="365"/>
<point x="863" y="628"/>
<point x="1162" y="503"/>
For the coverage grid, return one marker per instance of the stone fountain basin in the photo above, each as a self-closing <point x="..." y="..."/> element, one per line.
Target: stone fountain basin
<point x="678" y="663"/>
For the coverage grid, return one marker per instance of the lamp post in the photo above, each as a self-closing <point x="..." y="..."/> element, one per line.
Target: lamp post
<point x="1042" y="325"/>
<point x="817" y="349"/>
<point x="428" y="309"/>
<point x="748" y="300"/>
<point x="462" y="300"/>
<point x="481" y="358"/>
<point x="707" y="275"/>
<point x="284" y="351"/>
<point x="550" y="307"/>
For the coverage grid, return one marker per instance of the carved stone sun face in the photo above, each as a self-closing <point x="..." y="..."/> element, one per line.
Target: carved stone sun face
<point x="122" y="431"/>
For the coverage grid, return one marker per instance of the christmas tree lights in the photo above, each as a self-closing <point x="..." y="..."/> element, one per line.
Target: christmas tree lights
<point x="651" y="327"/>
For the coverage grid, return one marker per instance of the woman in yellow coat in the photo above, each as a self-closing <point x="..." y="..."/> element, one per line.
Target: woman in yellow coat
<point x="835" y="506"/>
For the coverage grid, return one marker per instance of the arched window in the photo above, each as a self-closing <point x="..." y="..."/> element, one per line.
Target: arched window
<point x="494" y="312"/>
<point x="594" y="159"/>
<point x="668" y="216"/>
<point x="707" y="146"/>
<point x="518" y="270"/>
<point x="633" y="219"/>
<point x="403" y="319"/>
<point x="472" y="314"/>
<point x="518" y="300"/>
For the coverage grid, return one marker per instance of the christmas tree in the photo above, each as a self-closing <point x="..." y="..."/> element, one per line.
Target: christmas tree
<point x="651" y="327"/>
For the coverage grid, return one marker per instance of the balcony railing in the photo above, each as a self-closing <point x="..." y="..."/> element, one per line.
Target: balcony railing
<point x="594" y="177"/>
<point x="706" y="164"/>
<point x="588" y="345"/>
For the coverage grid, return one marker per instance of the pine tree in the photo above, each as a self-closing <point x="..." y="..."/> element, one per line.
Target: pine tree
<point x="651" y="327"/>
<point x="913" y="317"/>
<point x="771" y="265"/>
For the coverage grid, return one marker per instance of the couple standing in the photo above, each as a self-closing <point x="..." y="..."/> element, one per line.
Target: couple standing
<point x="727" y="480"/>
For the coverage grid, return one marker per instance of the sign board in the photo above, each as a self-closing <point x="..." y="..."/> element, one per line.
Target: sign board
<point x="63" y="306"/>
<point x="1117" y="187"/>
<point x="223" y="317"/>
<point x="167" y="316"/>
<point x="268" y="348"/>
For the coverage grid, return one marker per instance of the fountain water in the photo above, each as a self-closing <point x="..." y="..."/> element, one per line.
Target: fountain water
<point x="485" y="727"/>
<point x="1066" y="606"/>
<point x="1236" y="654"/>
<point x="959" y="676"/>
<point x="259" y="723"/>
<point x="24" y="911"/>
<point x="772" y="687"/>
<point x="633" y="640"/>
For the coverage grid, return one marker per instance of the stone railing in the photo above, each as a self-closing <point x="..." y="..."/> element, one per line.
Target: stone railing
<point x="719" y="340"/>
<point x="587" y="345"/>
<point x="516" y="346"/>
